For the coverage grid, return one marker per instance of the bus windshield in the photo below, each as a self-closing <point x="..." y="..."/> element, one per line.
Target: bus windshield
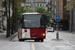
<point x="33" y="21"/>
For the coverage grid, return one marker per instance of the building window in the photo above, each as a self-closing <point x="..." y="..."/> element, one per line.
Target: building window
<point x="40" y="4"/>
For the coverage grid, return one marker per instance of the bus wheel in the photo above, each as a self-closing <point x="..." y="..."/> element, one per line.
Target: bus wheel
<point x="38" y="40"/>
<point x="35" y="40"/>
<point x="21" y="40"/>
<point x="42" y="40"/>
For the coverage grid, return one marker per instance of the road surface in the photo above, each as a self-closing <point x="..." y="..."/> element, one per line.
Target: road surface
<point x="67" y="43"/>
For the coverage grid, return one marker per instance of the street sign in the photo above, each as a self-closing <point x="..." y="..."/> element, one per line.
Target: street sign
<point x="57" y="18"/>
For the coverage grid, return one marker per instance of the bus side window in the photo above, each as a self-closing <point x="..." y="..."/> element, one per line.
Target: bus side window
<point x="42" y="21"/>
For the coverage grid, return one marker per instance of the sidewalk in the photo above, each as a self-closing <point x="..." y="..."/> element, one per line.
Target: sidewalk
<point x="3" y="37"/>
<point x="65" y="35"/>
<point x="73" y="32"/>
<point x="69" y="32"/>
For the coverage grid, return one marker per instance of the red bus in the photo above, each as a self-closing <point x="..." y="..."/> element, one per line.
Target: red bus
<point x="32" y="26"/>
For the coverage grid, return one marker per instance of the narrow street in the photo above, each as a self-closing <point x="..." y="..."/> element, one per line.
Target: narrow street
<point x="67" y="43"/>
<point x="31" y="19"/>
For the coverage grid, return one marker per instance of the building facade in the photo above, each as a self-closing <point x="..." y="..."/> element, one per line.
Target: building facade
<point x="72" y="18"/>
<point x="60" y="10"/>
<point x="64" y="14"/>
<point x="51" y="7"/>
<point x="47" y="1"/>
<point x="56" y="7"/>
<point x="1" y="11"/>
<point x="34" y="4"/>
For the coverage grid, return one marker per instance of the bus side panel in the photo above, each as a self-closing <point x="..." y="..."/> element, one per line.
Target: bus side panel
<point x="19" y="32"/>
<point x="26" y="33"/>
<point x="37" y="33"/>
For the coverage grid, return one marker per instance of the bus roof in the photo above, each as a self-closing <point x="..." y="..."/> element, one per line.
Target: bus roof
<point x="33" y="13"/>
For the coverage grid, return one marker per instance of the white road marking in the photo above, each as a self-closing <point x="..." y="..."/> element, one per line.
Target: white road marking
<point x="70" y="43"/>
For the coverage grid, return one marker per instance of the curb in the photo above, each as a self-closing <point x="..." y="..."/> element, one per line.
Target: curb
<point x="73" y="32"/>
<point x="12" y="36"/>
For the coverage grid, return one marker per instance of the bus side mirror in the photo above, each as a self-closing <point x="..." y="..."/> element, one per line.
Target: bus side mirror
<point x="21" y="20"/>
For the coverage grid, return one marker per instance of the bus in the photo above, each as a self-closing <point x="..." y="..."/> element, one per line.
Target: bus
<point x="32" y="27"/>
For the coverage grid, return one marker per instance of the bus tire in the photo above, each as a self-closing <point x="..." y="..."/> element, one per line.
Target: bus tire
<point x="21" y="39"/>
<point x="35" y="40"/>
<point x="42" y="40"/>
<point x="39" y="40"/>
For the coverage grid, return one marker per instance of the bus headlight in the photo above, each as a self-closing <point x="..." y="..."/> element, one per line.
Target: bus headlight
<point x="23" y="34"/>
<point x="43" y="34"/>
